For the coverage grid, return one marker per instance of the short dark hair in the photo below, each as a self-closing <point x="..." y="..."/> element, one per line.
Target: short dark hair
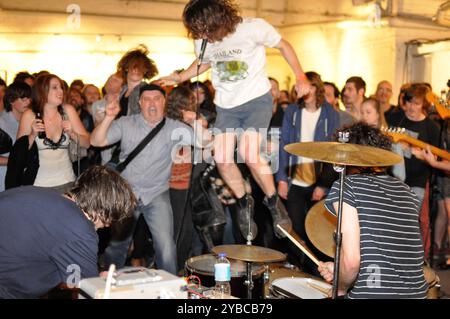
<point x="358" y="82"/>
<point x="151" y="87"/>
<point x="418" y="90"/>
<point x="337" y="93"/>
<point x="104" y="195"/>
<point x="180" y="99"/>
<point x="214" y="19"/>
<point x="2" y="82"/>
<point x="77" y="82"/>
<point x="17" y="90"/>
<point x="22" y="76"/>
<point x="366" y="135"/>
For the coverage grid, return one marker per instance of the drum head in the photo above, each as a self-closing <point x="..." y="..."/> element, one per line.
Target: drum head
<point x="205" y="265"/>
<point x="320" y="226"/>
<point x="300" y="288"/>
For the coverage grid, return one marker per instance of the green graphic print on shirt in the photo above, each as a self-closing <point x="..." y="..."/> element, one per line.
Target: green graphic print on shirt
<point x="232" y="71"/>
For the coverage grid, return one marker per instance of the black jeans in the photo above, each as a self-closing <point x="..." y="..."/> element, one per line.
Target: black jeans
<point x="298" y="204"/>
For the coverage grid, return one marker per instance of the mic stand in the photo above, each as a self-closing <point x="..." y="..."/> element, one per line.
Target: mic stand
<point x="341" y="169"/>
<point x="193" y="157"/>
<point x="249" y="281"/>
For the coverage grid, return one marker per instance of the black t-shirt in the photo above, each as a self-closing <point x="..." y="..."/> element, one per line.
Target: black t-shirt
<point x="277" y="118"/>
<point x="393" y="113"/>
<point x="45" y="240"/>
<point x="417" y="171"/>
<point x="123" y="106"/>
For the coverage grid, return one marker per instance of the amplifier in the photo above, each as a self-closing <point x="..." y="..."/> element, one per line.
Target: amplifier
<point x="136" y="283"/>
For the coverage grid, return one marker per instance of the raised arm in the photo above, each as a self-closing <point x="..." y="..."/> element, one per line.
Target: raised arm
<point x="30" y="126"/>
<point x="98" y="136"/>
<point x="301" y="82"/>
<point x="189" y="73"/>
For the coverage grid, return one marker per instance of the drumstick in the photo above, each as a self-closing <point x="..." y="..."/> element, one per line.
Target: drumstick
<point x="303" y="249"/>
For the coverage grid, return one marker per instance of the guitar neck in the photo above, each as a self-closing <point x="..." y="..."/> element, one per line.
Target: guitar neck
<point x="436" y="151"/>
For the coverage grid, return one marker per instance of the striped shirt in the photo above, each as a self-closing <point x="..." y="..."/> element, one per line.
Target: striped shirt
<point x="391" y="249"/>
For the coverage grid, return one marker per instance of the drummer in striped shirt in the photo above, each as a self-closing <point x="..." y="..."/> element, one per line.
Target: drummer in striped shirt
<point x="382" y="254"/>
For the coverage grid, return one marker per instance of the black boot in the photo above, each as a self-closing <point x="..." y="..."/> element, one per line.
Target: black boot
<point x="245" y="216"/>
<point x="279" y="215"/>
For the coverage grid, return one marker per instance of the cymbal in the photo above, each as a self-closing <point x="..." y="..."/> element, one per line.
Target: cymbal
<point x="250" y="253"/>
<point x="320" y="225"/>
<point x="344" y="154"/>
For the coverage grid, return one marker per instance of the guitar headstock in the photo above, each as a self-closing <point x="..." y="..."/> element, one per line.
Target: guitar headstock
<point x="397" y="133"/>
<point x="439" y="104"/>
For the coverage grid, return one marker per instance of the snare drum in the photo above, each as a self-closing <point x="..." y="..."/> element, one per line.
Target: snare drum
<point x="280" y="270"/>
<point x="203" y="267"/>
<point x="299" y="288"/>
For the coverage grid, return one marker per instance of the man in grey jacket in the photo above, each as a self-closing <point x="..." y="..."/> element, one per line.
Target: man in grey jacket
<point x="148" y="173"/>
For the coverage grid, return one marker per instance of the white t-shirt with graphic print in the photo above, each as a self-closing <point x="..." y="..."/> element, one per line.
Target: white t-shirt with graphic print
<point x="238" y="62"/>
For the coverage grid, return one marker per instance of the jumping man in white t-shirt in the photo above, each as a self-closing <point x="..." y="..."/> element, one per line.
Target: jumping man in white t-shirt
<point x="236" y="54"/>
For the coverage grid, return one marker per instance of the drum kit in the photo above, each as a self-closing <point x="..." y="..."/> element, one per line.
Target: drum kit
<point x="320" y="226"/>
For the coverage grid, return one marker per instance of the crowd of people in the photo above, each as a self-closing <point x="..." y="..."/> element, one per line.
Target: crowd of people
<point x="150" y="129"/>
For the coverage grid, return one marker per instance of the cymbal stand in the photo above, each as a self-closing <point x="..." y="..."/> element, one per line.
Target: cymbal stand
<point x="341" y="169"/>
<point x="249" y="281"/>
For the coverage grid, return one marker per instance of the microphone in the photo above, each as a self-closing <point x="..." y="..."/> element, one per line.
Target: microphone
<point x="202" y="51"/>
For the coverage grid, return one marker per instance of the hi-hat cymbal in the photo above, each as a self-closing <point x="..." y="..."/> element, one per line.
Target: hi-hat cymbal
<point x="250" y="253"/>
<point x="344" y="154"/>
<point x="320" y="225"/>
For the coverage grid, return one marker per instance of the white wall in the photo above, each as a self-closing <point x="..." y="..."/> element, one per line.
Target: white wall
<point x="433" y="67"/>
<point x="90" y="52"/>
<point x="37" y="35"/>
<point x="338" y="51"/>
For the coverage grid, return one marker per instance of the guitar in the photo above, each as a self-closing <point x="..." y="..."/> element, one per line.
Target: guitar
<point x="440" y="105"/>
<point x="399" y="135"/>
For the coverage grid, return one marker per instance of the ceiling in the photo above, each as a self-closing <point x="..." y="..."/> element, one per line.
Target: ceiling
<point x="280" y="13"/>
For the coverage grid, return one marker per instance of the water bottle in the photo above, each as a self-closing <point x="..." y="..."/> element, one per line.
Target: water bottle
<point x="222" y="275"/>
